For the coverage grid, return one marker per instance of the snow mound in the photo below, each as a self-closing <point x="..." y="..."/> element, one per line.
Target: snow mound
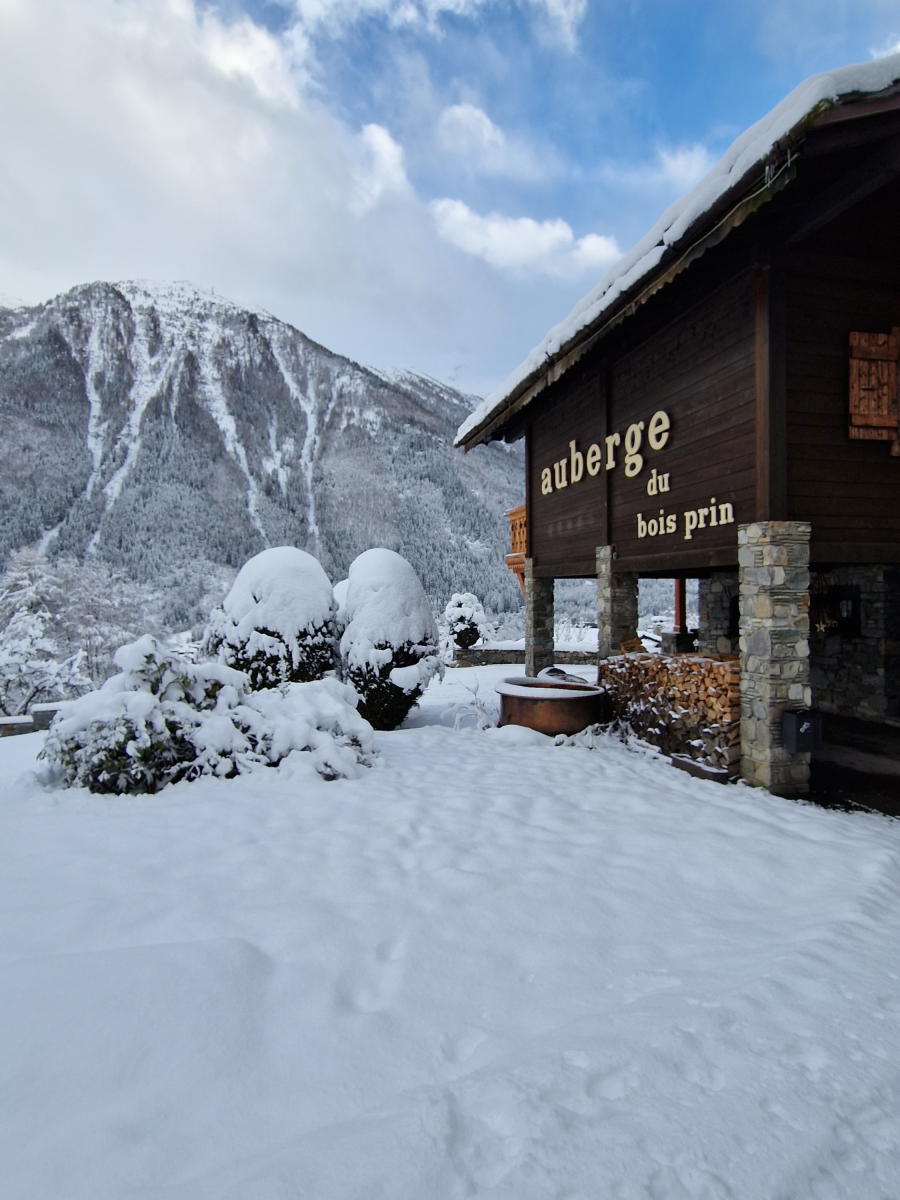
<point x="277" y="622"/>
<point x="390" y="645"/>
<point x="164" y="718"/>
<point x="746" y="153"/>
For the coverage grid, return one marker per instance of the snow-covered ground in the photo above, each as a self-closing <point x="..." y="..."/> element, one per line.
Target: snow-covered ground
<point x="491" y="966"/>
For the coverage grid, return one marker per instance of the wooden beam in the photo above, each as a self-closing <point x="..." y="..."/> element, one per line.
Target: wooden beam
<point x="771" y="396"/>
<point x="761" y="366"/>
<point x="871" y="174"/>
<point x="681" y="606"/>
<point x="529" y="521"/>
<point x="606" y="377"/>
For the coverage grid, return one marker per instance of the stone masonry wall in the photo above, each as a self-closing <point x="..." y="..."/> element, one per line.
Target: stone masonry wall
<point x="714" y="634"/>
<point x="857" y="676"/>
<point x="617" y="604"/>
<point x="538" y="621"/>
<point x="774" y="580"/>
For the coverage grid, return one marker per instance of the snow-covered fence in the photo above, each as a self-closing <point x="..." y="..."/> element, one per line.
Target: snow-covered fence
<point x="10" y="726"/>
<point x="686" y="704"/>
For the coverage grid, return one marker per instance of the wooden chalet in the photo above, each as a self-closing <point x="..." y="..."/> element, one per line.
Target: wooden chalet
<point x="724" y="406"/>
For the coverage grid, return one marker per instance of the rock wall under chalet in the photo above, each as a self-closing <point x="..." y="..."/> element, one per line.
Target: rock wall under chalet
<point x="685" y="704"/>
<point x="854" y="668"/>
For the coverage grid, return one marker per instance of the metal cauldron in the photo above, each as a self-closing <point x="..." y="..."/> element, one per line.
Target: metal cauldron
<point x="552" y="706"/>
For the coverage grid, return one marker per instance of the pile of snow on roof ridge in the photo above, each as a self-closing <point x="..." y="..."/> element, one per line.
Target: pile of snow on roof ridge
<point x="753" y="145"/>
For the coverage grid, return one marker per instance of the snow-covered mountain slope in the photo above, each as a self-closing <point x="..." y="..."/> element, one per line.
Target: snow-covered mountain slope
<point x="157" y="428"/>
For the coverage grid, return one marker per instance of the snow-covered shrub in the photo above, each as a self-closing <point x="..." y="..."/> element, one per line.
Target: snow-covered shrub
<point x="389" y="647"/>
<point x="340" y="604"/>
<point x="474" y="710"/>
<point x="32" y="668"/>
<point x="277" y="622"/>
<point x="164" y="718"/>
<point x="465" y="619"/>
<point x="86" y="609"/>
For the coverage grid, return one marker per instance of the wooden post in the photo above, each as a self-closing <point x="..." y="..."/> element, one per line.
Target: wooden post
<point x="681" y="606"/>
<point x="771" y="404"/>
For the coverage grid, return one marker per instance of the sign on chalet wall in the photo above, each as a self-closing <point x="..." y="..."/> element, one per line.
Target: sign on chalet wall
<point x="626" y="452"/>
<point x="652" y="453"/>
<point x="655" y="449"/>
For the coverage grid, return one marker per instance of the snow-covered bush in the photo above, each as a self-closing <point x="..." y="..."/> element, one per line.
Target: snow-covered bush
<point x="389" y="647"/>
<point x="86" y="609"/>
<point x="32" y="667"/>
<point x="465" y="619"/>
<point x="340" y="604"/>
<point x="277" y="622"/>
<point x="164" y="718"/>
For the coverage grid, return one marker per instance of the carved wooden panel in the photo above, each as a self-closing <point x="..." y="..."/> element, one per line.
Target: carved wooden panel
<point x="874" y="392"/>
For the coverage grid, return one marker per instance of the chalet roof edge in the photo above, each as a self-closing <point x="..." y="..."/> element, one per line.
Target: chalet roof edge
<point x="725" y="187"/>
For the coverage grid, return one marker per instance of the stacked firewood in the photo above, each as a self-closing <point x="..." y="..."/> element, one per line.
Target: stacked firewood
<point x="685" y="704"/>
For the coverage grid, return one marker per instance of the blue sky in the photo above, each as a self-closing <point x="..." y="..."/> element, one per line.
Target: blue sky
<point x="418" y="183"/>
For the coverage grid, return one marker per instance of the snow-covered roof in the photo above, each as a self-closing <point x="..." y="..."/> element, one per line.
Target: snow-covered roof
<point x="743" y="157"/>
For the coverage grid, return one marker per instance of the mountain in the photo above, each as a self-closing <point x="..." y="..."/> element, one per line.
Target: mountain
<point x="167" y="432"/>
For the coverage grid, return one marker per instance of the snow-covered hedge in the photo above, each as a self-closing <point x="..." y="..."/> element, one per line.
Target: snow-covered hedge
<point x="465" y="619"/>
<point x="389" y="647"/>
<point x="277" y="622"/>
<point x="164" y="718"/>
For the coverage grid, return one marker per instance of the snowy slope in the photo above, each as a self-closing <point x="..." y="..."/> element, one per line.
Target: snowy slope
<point x="158" y="427"/>
<point x="490" y="967"/>
<point x="747" y="152"/>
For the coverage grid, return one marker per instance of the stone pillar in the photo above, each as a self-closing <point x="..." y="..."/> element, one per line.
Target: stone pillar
<point x="714" y="631"/>
<point x="774" y="579"/>
<point x="538" y="621"/>
<point x="617" y="604"/>
<point x="892" y="640"/>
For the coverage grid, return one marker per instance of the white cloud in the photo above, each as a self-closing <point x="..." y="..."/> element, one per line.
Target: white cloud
<point x="384" y="174"/>
<point x="892" y="46"/>
<point x="521" y="245"/>
<point x="248" y="53"/>
<point x="684" y="166"/>
<point x="468" y="133"/>
<point x="565" y="16"/>
<point x="154" y="139"/>
<point x="679" y="167"/>
<point x="562" y="17"/>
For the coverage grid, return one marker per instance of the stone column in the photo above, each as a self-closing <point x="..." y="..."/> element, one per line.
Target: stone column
<point x="773" y="557"/>
<point x="538" y="621"/>
<point x="714" y="628"/>
<point x="617" y="604"/>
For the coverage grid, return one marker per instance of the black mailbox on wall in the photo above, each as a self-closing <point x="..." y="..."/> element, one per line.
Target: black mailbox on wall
<point x="801" y="731"/>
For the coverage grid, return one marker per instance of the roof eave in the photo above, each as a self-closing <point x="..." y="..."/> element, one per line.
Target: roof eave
<point x="672" y="263"/>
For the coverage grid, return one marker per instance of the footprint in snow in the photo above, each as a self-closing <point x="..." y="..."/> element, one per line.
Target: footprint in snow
<point x="372" y="986"/>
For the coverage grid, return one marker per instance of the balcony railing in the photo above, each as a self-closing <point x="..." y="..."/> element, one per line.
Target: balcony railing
<point x="518" y="536"/>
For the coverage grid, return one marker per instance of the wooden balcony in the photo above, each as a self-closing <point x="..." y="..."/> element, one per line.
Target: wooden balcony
<point x="518" y="536"/>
